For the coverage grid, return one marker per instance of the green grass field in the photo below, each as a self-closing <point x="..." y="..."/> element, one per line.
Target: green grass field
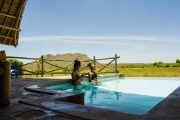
<point x="140" y="72"/>
<point x="151" y="72"/>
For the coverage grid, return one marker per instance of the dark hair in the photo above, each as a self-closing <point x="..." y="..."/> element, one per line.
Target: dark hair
<point x="77" y="63"/>
<point x="89" y="64"/>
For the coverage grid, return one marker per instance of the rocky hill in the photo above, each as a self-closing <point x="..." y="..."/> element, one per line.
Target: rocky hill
<point x="57" y="60"/>
<point x="67" y="56"/>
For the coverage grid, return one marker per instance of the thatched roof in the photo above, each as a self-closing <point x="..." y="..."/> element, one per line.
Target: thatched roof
<point x="10" y="18"/>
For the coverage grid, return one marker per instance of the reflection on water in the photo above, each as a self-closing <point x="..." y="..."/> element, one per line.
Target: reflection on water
<point x="118" y="101"/>
<point x="110" y="97"/>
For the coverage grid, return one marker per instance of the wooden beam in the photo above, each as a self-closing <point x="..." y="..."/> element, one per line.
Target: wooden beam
<point x="6" y="19"/>
<point x="9" y="28"/>
<point x="7" y="12"/>
<point x="106" y="65"/>
<point x="2" y="6"/>
<point x="108" y="58"/>
<point x="10" y="16"/>
<point x="22" y="58"/>
<point x="6" y="37"/>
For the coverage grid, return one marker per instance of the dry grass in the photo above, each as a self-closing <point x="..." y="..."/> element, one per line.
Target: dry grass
<point x="151" y="72"/>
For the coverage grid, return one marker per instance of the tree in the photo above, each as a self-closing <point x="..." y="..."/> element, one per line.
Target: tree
<point x="15" y="64"/>
<point x="178" y="61"/>
<point x="158" y="64"/>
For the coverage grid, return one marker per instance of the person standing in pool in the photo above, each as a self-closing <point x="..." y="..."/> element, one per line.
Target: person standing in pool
<point x="76" y="77"/>
<point x="92" y="74"/>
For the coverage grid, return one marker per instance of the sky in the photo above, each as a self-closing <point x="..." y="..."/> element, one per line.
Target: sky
<point x="139" y="31"/>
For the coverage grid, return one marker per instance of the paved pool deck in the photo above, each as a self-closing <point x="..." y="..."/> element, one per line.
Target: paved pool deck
<point x="35" y="106"/>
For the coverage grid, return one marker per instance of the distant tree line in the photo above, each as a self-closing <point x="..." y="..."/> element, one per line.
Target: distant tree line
<point x="155" y="64"/>
<point x="161" y="64"/>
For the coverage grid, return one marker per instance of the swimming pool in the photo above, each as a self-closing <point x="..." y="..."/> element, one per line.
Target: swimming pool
<point x="129" y="95"/>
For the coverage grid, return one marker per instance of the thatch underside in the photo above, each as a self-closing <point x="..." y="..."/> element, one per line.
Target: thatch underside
<point x="10" y="18"/>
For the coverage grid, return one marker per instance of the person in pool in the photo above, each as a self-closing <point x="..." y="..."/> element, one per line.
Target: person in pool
<point x="92" y="74"/>
<point x="76" y="77"/>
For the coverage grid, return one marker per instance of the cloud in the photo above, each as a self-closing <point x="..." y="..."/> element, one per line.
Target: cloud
<point x="97" y="39"/>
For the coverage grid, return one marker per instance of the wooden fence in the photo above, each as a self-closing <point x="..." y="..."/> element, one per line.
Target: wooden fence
<point x="39" y="65"/>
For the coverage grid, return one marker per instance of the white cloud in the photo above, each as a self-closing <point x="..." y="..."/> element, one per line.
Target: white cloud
<point x="97" y="39"/>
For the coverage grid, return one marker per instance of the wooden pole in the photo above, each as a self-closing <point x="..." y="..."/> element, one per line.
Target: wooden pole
<point x="94" y="61"/>
<point x="5" y="83"/>
<point x="1" y="71"/>
<point x="42" y="66"/>
<point x="116" y="63"/>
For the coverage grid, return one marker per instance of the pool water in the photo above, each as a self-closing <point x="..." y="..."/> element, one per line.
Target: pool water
<point x="130" y="95"/>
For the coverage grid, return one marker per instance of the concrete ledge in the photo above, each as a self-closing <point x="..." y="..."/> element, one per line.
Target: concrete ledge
<point x="80" y="111"/>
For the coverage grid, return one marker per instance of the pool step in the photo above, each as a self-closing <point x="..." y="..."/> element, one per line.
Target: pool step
<point x="78" y="111"/>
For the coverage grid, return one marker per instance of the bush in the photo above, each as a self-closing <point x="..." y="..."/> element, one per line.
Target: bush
<point x="159" y="64"/>
<point x="176" y="65"/>
<point x="168" y="65"/>
<point x="155" y="64"/>
<point x="15" y="64"/>
<point x="178" y="61"/>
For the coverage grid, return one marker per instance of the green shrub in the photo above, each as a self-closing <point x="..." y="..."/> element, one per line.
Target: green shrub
<point x="178" y="61"/>
<point x="159" y="64"/>
<point x="15" y="64"/>
<point x="176" y="65"/>
<point x="168" y="65"/>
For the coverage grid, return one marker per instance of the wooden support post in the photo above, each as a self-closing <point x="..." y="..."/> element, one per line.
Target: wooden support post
<point x="42" y="66"/>
<point x="116" y="70"/>
<point x="65" y="71"/>
<point x="5" y="83"/>
<point x="1" y="71"/>
<point x="94" y="61"/>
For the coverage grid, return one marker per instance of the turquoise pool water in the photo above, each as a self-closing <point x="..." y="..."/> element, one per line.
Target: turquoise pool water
<point x="130" y="95"/>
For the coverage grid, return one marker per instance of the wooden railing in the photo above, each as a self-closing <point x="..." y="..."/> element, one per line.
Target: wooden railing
<point x="40" y="66"/>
